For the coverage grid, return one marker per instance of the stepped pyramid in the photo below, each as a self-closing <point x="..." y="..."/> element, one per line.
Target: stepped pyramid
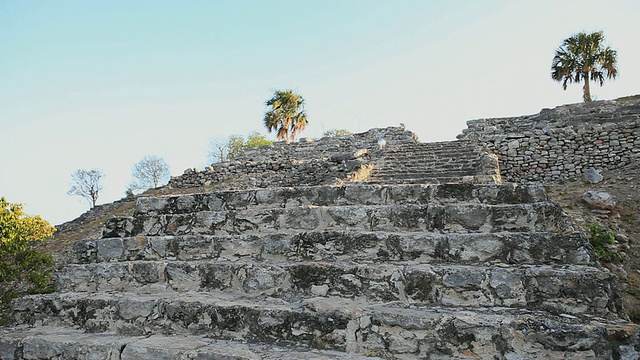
<point x="435" y="260"/>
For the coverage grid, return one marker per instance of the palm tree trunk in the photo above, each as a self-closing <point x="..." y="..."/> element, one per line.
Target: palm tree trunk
<point x="587" y="92"/>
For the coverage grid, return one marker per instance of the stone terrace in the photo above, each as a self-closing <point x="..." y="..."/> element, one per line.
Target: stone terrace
<point x="435" y="261"/>
<point x="440" y="162"/>
<point x="333" y="160"/>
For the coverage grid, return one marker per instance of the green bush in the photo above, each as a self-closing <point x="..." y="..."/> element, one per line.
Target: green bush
<point x="23" y="270"/>
<point x="235" y="146"/>
<point x="634" y="315"/>
<point x="599" y="239"/>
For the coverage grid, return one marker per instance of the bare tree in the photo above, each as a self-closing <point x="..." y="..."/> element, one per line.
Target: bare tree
<point x="218" y="150"/>
<point x="86" y="183"/>
<point x="150" y="172"/>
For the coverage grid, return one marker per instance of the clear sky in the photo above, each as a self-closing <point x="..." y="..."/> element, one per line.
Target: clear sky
<point x="100" y="84"/>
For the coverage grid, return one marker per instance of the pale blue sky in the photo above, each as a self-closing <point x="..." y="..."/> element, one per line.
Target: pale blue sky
<point x="100" y="84"/>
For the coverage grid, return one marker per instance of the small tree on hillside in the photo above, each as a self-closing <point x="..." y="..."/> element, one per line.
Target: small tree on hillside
<point x="86" y="183"/>
<point x="583" y="57"/>
<point x="23" y="270"/>
<point x="234" y="146"/>
<point x="218" y="151"/>
<point x="286" y="114"/>
<point x="255" y="139"/>
<point x="150" y="172"/>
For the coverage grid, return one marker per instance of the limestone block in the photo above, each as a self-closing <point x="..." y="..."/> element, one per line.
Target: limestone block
<point x="600" y="199"/>
<point x="111" y="249"/>
<point x="593" y="176"/>
<point x="352" y="155"/>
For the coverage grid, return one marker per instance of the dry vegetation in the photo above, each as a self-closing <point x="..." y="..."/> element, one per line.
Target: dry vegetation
<point x="624" y="184"/>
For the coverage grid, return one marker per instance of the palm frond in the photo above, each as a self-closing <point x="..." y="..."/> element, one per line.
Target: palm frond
<point x="286" y="115"/>
<point x="583" y="57"/>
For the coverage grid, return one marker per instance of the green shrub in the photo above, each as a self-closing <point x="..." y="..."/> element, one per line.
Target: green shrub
<point x="634" y="315"/>
<point x="599" y="239"/>
<point x="23" y="270"/>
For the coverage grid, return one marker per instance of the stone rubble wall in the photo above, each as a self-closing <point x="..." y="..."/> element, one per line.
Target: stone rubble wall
<point x="307" y="162"/>
<point x="562" y="143"/>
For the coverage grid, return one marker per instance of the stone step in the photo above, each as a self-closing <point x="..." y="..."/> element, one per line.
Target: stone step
<point x="390" y="330"/>
<point x="540" y="216"/>
<point x="354" y="194"/>
<point x="417" y="173"/>
<point x="427" y="164"/>
<point x="427" y="167"/>
<point x="64" y="343"/>
<point x="442" y="155"/>
<point x="400" y="161"/>
<point x="403" y="158"/>
<point x="574" y="289"/>
<point x="435" y="158"/>
<point x="365" y="247"/>
<point x="422" y="180"/>
<point x="454" y="145"/>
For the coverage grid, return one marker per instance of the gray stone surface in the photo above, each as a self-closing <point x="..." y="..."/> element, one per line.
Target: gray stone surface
<point x="397" y="271"/>
<point x="454" y="285"/>
<point x="562" y="143"/>
<point x="57" y="343"/>
<point x="295" y="164"/>
<point x="600" y="199"/>
<point x="593" y="176"/>
<point x="352" y="155"/>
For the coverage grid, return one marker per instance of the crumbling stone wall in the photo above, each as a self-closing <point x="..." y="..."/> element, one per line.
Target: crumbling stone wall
<point x="307" y="162"/>
<point x="563" y="142"/>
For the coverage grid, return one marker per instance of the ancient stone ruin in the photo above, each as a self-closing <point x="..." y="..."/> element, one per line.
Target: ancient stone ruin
<point x="564" y="142"/>
<point x="334" y="249"/>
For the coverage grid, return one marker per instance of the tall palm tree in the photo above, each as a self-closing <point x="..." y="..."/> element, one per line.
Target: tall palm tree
<point x="286" y="114"/>
<point x="583" y="57"/>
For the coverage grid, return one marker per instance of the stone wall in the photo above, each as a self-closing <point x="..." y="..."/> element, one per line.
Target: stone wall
<point x="563" y="142"/>
<point x="306" y="162"/>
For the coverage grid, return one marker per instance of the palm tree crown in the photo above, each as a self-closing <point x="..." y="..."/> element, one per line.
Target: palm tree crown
<point x="286" y="114"/>
<point x="583" y="57"/>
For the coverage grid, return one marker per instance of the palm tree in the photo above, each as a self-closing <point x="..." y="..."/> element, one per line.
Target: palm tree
<point x="286" y="114"/>
<point x="583" y="57"/>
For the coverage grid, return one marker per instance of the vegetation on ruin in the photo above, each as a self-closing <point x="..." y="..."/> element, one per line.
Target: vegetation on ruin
<point x="86" y="184"/>
<point x="286" y="115"/>
<point x="23" y="270"/>
<point x="150" y="172"/>
<point x="600" y="238"/>
<point x="234" y="146"/>
<point x="582" y="58"/>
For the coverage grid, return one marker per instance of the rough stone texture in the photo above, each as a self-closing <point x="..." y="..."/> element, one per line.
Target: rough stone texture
<point x="593" y="176"/>
<point x="563" y="142"/>
<point x="396" y="271"/>
<point x="333" y="160"/>
<point x="600" y="199"/>
<point x="63" y="344"/>
<point x="440" y="162"/>
<point x="306" y="162"/>
<point x="396" y="268"/>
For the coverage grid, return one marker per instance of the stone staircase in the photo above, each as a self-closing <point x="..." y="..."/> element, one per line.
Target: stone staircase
<point x="438" y="162"/>
<point x="401" y="271"/>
